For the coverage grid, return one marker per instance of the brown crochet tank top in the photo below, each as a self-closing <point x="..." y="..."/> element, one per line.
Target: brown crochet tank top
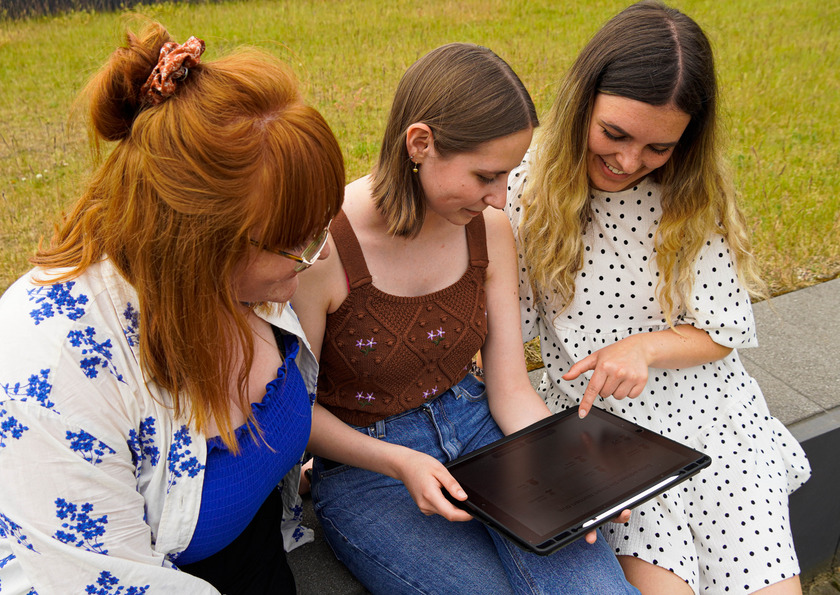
<point x="384" y="354"/>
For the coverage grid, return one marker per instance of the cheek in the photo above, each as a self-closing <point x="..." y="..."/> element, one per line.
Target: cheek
<point x="657" y="161"/>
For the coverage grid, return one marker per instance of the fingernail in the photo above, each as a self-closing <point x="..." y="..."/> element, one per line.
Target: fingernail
<point x="582" y="413"/>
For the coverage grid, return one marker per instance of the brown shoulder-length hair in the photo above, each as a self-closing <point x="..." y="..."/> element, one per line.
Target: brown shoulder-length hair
<point x="233" y="154"/>
<point x="652" y="53"/>
<point x="466" y="95"/>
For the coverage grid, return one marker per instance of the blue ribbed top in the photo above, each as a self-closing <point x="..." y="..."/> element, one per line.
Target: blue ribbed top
<point x="235" y="486"/>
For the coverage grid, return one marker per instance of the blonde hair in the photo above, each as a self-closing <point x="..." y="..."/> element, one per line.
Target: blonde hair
<point x="655" y="54"/>
<point x="233" y="153"/>
<point x="467" y="95"/>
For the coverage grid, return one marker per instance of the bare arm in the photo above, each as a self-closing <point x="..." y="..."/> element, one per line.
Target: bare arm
<point x="621" y="369"/>
<point x="513" y="401"/>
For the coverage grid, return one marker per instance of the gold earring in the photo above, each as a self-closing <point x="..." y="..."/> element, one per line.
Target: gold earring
<point x="415" y="170"/>
<point x="415" y="164"/>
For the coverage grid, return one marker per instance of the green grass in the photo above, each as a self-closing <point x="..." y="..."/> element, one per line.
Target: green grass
<point x="779" y="65"/>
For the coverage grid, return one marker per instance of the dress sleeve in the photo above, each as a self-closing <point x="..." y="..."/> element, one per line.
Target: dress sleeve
<point x="528" y="312"/>
<point x="719" y="304"/>
<point x="71" y="518"/>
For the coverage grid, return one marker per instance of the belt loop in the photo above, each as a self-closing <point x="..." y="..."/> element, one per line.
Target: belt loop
<point x="380" y="429"/>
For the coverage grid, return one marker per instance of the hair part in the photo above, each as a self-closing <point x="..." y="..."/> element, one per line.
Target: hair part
<point x="233" y="154"/>
<point x="655" y="54"/>
<point x="466" y="95"/>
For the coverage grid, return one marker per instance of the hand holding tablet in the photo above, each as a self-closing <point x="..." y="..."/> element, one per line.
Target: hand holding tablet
<point x="552" y="482"/>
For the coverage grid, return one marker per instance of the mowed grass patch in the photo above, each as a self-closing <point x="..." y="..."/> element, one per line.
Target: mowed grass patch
<point x="778" y="64"/>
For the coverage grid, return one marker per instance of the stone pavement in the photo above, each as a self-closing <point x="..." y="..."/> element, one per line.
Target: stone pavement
<point x="797" y="365"/>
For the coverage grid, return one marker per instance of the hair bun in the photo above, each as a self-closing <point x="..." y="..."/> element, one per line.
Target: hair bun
<point x="114" y="98"/>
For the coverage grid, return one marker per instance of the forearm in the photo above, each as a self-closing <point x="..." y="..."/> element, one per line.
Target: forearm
<point x="333" y="439"/>
<point x="682" y="347"/>
<point x="514" y="412"/>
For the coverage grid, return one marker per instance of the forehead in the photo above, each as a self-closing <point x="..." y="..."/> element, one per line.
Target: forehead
<point x="498" y="154"/>
<point x="638" y="118"/>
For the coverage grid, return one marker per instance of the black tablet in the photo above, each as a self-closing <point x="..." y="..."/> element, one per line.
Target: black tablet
<point x="551" y="483"/>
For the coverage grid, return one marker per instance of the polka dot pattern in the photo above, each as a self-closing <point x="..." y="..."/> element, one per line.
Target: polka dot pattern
<point x="725" y="530"/>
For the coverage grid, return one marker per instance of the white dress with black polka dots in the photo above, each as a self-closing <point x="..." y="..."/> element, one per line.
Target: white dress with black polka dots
<point x="726" y="529"/>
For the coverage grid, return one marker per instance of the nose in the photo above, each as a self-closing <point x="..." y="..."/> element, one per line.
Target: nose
<point x="497" y="195"/>
<point x="630" y="160"/>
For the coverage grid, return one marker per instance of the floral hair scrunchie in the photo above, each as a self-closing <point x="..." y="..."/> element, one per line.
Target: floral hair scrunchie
<point x="173" y="65"/>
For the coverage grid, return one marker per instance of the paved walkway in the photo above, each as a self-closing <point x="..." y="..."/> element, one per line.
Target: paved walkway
<point x="797" y="365"/>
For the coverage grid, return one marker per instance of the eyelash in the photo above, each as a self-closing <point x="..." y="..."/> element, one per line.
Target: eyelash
<point x="612" y="137"/>
<point x="485" y="180"/>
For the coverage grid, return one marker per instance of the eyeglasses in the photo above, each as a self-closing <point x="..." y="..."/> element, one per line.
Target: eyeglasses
<point x="309" y="255"/>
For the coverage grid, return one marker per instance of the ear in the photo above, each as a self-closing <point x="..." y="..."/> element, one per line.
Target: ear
<point x="419" y="141"/>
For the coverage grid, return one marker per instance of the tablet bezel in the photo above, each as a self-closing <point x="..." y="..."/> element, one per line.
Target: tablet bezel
<point x="661" y="480"/>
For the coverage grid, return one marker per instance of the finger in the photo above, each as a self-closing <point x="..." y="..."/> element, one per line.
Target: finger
<point x="623" y="517"/>
<point x="590" y="394"/>
<point x="591" y="537"/>
<point x="584" y="365"/>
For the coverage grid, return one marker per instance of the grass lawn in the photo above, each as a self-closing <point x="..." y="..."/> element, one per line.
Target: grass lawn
<point x="779" y="65"/>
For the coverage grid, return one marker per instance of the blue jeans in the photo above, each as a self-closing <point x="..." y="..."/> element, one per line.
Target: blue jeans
<point x="377" y="531"/>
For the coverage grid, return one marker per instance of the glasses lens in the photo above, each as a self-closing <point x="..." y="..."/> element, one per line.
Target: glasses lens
<point x="313" y="250"/>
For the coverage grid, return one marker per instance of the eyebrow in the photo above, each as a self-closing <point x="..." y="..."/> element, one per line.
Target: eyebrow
<point x="623" y="132"/>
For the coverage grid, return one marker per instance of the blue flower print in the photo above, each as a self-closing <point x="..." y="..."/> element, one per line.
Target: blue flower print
<point x="6" y="560"/>
<point x="141" y="442"/>
<point x="108" y="584"/>
<point x="37" y="387"/>
<point x="11" y="530"/>
<point x="89" y="447"/>
<point x="10" y="428"/>
<point x="100" y="353"/>
<point x="132" y="322"/>
<point x="179" y="460"/>
<point x="82" y="530"/>
<point x="56" y="299"/>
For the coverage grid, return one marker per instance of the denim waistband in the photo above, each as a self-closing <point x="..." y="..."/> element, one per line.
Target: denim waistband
<point x="469" y="386"/>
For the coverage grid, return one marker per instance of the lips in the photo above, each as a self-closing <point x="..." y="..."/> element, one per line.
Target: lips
<point x="614" y="170"/>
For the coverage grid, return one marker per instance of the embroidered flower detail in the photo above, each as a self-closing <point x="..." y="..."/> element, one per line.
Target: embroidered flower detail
<point x="366" y="346"/>
<point x="142" y="445"/>
<point x="56" y="299"/>
<point x="108" y="584"/>
<point x="11" y="530"/>
<point x="436" y="336"/>
<point x="180" y="462"/>
<point x="100" y="353"/>
<point x="430" y="393"/>
<point x="10" y="428"/>
<point x="365" y="399"/>
<point x="132" y="319"/>
<point x="89" y="447"/>
<point x="82" y="530"/>
<point x="6" y="560"/>
<point x="37" y="387"/>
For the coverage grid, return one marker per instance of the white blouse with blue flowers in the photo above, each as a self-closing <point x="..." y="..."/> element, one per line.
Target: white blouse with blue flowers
<point x="100" y="486"/>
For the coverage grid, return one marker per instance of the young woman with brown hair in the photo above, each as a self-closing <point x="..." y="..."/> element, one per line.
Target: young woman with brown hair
<point x="423" y="276"/>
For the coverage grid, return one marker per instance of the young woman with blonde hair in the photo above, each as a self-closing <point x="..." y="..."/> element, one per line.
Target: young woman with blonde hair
<point x="635" y="272"/>
<point x="155" y="390"/>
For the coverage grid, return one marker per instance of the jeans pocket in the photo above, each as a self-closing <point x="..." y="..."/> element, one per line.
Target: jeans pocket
<point x="328" y="468"/>
<point x="472" y="389"/>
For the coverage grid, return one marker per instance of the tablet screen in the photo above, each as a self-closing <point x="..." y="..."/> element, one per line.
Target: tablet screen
<point x="564" y="471"/>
